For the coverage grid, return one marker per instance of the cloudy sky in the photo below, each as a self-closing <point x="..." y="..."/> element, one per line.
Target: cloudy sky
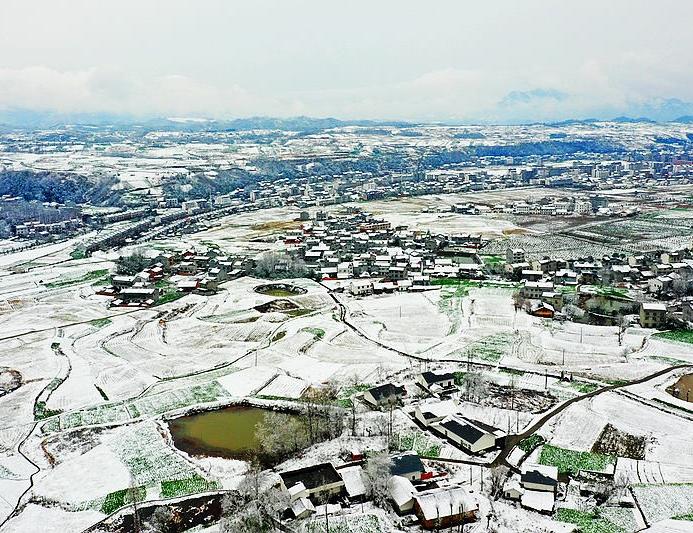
<point x="457" y="60"/>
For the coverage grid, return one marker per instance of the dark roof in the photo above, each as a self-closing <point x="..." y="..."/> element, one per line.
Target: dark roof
<point x="483" y="425"/>
<point x="465" y="431"/>
<point x="311" y="476"/>
<point x="385" y="391"/>
<point x="430" y="377"/>
<point x="534" y="476"/>
<point x="406" y="464"/>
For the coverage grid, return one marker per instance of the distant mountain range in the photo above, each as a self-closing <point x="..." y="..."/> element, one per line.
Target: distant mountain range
<point x="30" y="119"/>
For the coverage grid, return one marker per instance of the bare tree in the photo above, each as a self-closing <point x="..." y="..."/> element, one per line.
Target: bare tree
<point x="377" y="475"/>
<point x="279" y="435"/>
<point x="162" y="520"/>
<point x="279" y="265"/>
<point x="496" y="481"/>
<point x="475" y="385"/>
<point x="622" y="323"/>
<point x="252" y="508"/>
<point x="621" y="484"/>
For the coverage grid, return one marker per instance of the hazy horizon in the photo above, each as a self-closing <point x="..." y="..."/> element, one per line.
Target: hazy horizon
<point x="490" y="62"/>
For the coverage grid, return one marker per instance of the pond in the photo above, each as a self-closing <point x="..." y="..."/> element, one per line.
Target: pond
<point x="228" y="432"/>
<point x="280" y="289"/>
<point x="683" y="388"/>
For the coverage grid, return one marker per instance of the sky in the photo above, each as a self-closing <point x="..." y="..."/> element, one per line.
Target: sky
<point x="437" y="60"/>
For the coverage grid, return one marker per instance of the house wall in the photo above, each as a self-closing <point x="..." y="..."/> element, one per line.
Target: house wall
<point x="484" y="443"/>
<point x="538" y="486"/>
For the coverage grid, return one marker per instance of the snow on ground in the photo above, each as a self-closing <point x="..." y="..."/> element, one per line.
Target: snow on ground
<point x="248" y="381"/>
<point x="51" y="520"/>
<point x="59" y="483"/>
<point x="285" y="387"/>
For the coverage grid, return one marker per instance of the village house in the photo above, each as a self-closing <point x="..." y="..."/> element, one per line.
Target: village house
<point x="470" y="435"/>
<point x="317" y="480"/>
<point x="401" y="493"/>
<point x="137" y="296"/>
<point x="539" y="483"/>
<point x="407" y="465"/>
<point x="542" y="310"/>
<point x="361" y="287"/>
<point x="554" y="299"/>
<point x="354" y="484"/>
<point x="532" y="290"/>
<point x="512" y="490"/>
<point x="653" y="314"/>
<point x="436" y="382"/>
<point x="433" y="412"/>
<point x="384" y="395"/>
<point x="122" y="282"/>
<point x="514" y="255"/>
<point x="539" y="477"/>
<point x="445" y="507"/>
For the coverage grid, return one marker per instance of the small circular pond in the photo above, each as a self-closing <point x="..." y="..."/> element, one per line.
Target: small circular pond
<point x="280" y="289"/>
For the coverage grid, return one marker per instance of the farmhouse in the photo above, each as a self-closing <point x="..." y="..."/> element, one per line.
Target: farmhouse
<point x="138" y="296"/>
<point x="653" y="315"/>
<point x="383" y="395"/>
<point x="467" y="434"/>
<point x="407" y="465"/>
<point x="539" y="477"/>
<point x="432" y="413"/>
<point x="445" y="507"/>
<point x="539" y="501"/>
<point x="534" y="289"/>
<point x="319" y="479"/>
<point x="401" y="492"/>
<point x="432" y="382"/>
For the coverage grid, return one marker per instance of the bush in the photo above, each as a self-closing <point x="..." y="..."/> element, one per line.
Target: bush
<point x="132" y="264"/>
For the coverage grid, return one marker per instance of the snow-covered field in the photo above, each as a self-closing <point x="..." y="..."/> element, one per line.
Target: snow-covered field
<point x="96" y="382"/>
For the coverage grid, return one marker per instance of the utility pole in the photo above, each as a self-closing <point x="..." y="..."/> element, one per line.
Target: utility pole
<point x="564" y="349"/>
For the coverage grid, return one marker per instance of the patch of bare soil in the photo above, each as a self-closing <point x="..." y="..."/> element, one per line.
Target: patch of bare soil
<point x="514" y="231"/>
<point x="527" y="400"/>
<point x="70" y="444"/>
<point x="277" y="225"/>
<point x="611" y="441"/>
<point x="10" y="380"/>
<point x="276" y="306"/>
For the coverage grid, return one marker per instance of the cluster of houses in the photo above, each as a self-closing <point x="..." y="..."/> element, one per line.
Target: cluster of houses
<point x="561" y="206"/>
<point x="440" y="414"/>
<point x="39" y="220"/>
<point x="411" y="489"/>
<point x="664" y="278"/>
<point x="535" y="488"/>
<point x="370" y="256"/>
<point x="444" y="419"/>
<point x="186" y="272"/>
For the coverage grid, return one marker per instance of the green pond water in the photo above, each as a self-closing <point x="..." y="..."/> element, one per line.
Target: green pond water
<point x="228" y="432"/>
